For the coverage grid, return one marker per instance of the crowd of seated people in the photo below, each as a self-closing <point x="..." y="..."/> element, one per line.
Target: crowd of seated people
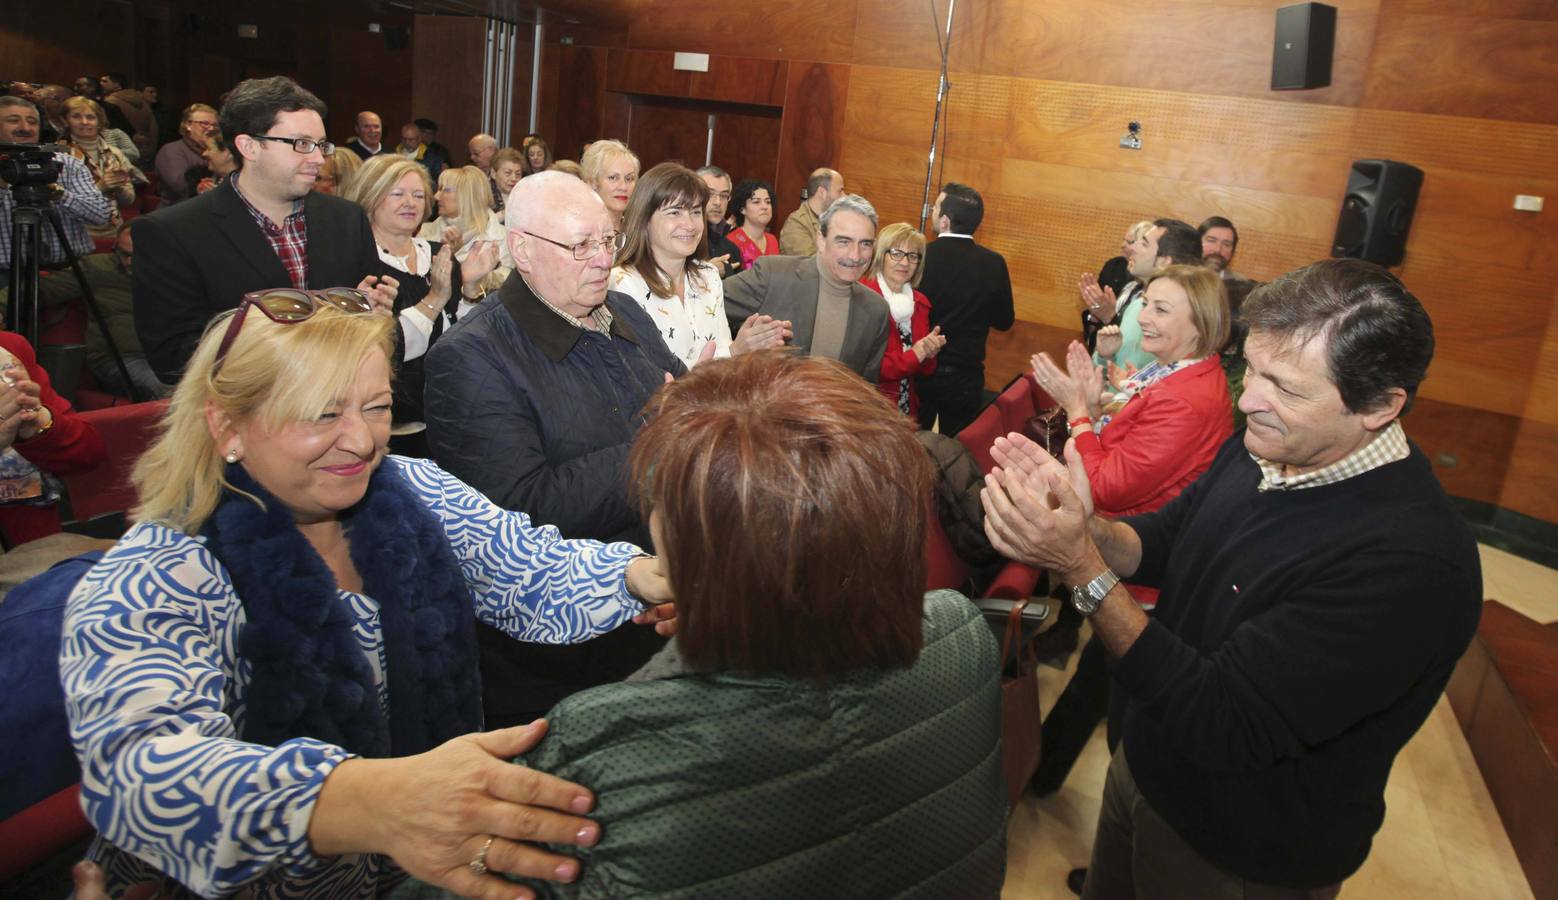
<point x="498" y="439"/>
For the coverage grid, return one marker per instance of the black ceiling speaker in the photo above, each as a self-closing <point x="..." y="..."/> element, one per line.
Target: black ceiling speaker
<point x="1377" y="211"/>
<point x="1306" y="37"/>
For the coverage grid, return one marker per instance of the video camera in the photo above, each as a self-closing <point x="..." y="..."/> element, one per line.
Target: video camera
<point x="29" y="164"/>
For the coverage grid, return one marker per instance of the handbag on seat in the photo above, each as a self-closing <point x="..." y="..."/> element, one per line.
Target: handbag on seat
<point x="1018" y="622"/>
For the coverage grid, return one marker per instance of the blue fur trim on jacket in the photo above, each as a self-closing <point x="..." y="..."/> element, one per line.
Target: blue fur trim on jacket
<point x="309" y="675"/>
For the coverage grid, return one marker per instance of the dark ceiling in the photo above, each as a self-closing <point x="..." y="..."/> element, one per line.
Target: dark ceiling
<point x="587" y="12"/>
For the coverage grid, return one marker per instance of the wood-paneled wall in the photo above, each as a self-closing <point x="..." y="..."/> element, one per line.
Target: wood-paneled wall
<point x="192" y="52"/>
<point x="1043" y="89"/>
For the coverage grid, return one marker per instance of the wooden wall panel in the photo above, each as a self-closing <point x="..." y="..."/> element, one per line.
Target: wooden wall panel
<point x="448" y="56"/>
<point x="1480" y="67"/>
<point x="747" y="145"/>
<point x="55" y="42"/>
<point x="660" y="130"/>
<point x="812" y="134"/>
<point x="1540" y="10"/>
<point x="1532" y="484"/>
<point x="1043" y="89"/>
<point x="581" y="100"/>
<point x="773" y="29"/>
<point x="732" y="80"/>
<point x="1193" y="47"/>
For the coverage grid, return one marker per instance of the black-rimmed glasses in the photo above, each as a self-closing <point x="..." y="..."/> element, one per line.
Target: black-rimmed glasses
<point x="289" y="306"/>
<point x="898" y="255"/>
<point x="589" y="246"/>
<point x="301" y="145"/>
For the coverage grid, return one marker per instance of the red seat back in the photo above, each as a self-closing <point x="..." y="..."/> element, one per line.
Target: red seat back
<point x="943" y="567"/>
<point x="981" y="433"/>
<point x="1016" y="403"/>
<point x="31" y="836"/>
<point x="127" y="431"/>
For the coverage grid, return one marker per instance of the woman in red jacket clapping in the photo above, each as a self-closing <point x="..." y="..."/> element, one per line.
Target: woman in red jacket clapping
<point x="912" y="345"/>
<point x="1141" y="448"/>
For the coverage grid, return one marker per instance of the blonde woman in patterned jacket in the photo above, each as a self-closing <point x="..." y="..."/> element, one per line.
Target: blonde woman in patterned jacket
<point x="271" y="679"/>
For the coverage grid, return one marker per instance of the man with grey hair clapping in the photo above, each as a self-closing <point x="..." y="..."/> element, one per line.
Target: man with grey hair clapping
<point x="832" y="313"/>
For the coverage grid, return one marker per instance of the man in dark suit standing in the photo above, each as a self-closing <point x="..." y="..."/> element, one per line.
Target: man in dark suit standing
<point x="261" y="228"/>
<point x="970" y="293"/>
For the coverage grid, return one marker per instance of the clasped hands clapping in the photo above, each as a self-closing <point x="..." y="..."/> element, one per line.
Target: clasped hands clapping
<point x="1079" y="388"/>
<point x="1037" y="510"/>
<point x="22" y="414"/>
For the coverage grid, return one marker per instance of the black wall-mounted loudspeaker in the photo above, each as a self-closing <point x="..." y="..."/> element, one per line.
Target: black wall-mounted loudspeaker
<point x="1377" y="211"/>
<point x="1306" y="36"/>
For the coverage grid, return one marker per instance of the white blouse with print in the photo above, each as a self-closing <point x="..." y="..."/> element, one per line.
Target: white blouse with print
<point x="686" y="325"/>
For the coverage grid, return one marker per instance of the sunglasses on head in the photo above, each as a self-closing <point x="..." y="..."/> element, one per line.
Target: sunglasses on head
<point x="289" y="306"/>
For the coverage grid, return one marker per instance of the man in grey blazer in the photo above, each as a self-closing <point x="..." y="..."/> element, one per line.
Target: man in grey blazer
<point x="830" y="313"/>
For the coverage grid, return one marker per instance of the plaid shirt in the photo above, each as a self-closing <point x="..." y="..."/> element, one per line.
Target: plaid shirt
<point x="80" y="204"/>
<point x="600" y="315"/>
<point x="1388" y="447"/>
<point x="289" y="239"/>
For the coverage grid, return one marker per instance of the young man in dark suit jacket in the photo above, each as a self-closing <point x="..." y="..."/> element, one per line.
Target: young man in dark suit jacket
<point x="261" y="228"/>
<point x="970" y="293"/>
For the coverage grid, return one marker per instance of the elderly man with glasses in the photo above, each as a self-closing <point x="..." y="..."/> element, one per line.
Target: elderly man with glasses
<point x="264" y="227"/>
<point x="534" y="399"/>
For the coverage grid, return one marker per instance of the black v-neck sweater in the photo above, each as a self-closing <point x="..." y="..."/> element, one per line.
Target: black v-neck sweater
<point x="1301" y="638"/>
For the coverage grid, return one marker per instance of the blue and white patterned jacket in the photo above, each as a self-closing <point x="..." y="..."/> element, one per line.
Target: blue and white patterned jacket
<point x="155" y="692"/>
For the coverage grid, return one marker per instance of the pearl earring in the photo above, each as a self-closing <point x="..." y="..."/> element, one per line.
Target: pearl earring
<point x="232" y="456"/>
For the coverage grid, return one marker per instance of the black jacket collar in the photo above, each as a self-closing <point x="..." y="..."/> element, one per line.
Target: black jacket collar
<point x="549" y="330"/>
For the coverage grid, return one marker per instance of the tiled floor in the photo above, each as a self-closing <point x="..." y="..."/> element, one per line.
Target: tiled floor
<point x="1442" y="837"/>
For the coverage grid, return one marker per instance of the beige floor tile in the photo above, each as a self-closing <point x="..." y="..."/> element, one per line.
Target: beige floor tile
<point x="1442" y="837"/>
<point x="1520" y="584"/>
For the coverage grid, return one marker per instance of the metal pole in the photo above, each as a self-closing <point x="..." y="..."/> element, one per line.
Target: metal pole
<point x="535" y="76"/>
<point x="511" y="40"/>
<point x="486" y="82"/>
<point x="935" y="127"/>
<point x="708" y="152"/>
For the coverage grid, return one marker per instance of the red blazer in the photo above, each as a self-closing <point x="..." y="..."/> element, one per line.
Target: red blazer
<point x="1160" y="442"/>
<point x="71" y="445"/>
<point x="898" y="364"/>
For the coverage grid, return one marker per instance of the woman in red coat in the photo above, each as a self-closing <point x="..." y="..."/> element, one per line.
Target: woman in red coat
<point x="1144" y="445"/>
<point x="913" y="344"/>
<point x="1141" y="448"/>
<point x="41" y="437"/>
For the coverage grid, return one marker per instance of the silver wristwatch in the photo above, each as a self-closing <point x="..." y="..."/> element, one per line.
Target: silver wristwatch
<point x="1088" y="597"/>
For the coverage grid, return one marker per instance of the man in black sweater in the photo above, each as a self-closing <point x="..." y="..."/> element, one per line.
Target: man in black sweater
<point x="970" y="293"/>
<point x="1317" y="591"/>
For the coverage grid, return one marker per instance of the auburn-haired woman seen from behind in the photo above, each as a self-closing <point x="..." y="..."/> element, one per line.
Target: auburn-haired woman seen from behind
<point x="820" y="726"/>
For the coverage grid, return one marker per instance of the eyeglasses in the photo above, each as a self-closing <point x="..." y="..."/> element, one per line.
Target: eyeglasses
<point x="901" y="255"/>
<point x="301" y="145"/>
<point x="289" y="306"/>
<point x="589" y="246"/>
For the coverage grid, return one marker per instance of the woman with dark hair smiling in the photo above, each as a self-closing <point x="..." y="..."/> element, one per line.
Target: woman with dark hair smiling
<point x="660" y="266"/>
<point x="820" y="726"/>
<point x="752" y="206"/>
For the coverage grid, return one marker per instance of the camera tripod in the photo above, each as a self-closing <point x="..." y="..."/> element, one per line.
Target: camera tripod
<point x="34" y="206"/>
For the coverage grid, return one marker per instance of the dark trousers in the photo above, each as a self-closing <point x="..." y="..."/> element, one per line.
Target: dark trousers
<point x="1139" y="856"/>
<point x="1068" y="727"/>
<point x="954" y="393"/>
